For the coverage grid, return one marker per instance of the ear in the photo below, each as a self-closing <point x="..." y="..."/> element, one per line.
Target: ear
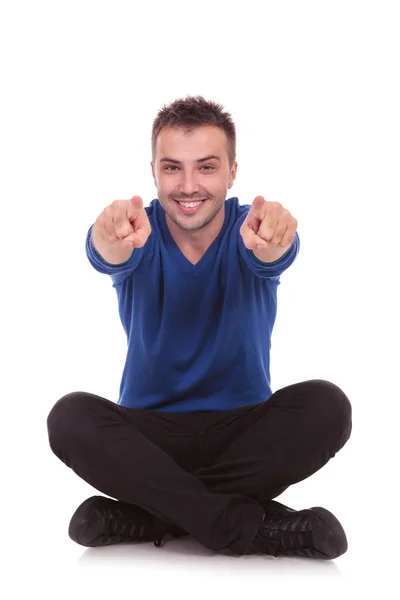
<point x="153" y="172"/>
<point x="232" y="176"/>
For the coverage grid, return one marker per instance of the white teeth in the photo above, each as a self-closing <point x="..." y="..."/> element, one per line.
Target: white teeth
<point x="190" y="204"/>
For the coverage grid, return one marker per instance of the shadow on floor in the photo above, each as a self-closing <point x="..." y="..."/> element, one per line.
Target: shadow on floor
<point x="191" y="553"/>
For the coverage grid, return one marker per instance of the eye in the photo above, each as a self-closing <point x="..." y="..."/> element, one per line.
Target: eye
<point x="206" y="167"/>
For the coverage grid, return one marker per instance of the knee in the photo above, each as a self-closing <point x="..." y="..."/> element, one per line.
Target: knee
<point x="65" y="419"/>
<point x="333" y="409"/>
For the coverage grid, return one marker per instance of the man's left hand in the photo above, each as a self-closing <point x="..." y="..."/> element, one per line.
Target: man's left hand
<point x="268" y="224"/>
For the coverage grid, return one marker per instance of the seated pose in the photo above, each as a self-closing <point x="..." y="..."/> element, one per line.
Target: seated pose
<point x="197" y="444"/>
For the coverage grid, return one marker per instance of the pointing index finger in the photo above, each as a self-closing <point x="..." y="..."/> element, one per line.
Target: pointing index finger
<point x="257" y="205"/>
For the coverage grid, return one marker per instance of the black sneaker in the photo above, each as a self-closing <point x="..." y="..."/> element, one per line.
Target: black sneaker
<point x="101" y="521"/>
<point x="311" y="533"/>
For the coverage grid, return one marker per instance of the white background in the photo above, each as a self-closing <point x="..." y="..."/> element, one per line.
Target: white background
<point x="313" y="87"/>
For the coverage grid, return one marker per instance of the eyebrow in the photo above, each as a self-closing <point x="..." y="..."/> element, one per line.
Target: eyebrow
<point x="178" y="162"/>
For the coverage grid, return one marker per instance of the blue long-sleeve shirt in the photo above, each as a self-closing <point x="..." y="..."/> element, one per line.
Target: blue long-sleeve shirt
<point x="199" y="336"/>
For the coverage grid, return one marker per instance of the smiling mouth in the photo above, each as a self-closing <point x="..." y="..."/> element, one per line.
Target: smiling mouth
<point x="190" y="201"/>
<point x="189" y="207"/>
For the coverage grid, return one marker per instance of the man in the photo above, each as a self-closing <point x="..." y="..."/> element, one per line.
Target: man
<point x="197" y="443"/>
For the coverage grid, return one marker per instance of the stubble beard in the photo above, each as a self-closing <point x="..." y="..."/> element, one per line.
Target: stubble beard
<point x="193" y="222"/>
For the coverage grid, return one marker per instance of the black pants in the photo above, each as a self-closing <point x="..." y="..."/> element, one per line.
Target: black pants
<point x="206" y="472"/>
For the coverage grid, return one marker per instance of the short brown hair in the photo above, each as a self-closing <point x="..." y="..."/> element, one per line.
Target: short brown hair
<point x="192" y="112"/>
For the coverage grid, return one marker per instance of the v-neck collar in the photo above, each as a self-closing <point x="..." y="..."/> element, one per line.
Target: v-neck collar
<point x="173" y="248"/>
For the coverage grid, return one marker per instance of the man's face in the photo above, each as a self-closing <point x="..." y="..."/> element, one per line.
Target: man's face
<point x="180" y="173"/>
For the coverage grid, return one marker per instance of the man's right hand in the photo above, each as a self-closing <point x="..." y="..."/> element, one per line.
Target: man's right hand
<point x="124" y="223"/>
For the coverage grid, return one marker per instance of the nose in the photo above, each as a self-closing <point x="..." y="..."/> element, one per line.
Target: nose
<point x="188" y="184"/>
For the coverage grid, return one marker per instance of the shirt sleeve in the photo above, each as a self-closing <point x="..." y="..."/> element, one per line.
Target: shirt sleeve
<point x="271" y="270"/>
<point x="117" y="272"/>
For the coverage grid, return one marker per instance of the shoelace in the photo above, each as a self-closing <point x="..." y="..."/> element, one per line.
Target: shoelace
<point x="120" y="528"/>
<point x="285" y="536"/>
